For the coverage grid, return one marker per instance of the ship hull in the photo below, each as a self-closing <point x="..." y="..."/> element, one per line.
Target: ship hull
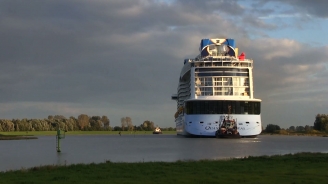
<point x="207" y="125"/>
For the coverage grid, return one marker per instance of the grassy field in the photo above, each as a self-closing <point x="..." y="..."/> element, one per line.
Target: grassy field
<point x="44" y="133"/>
<point x="298" y="168"/>
<point x="293" y="133"/>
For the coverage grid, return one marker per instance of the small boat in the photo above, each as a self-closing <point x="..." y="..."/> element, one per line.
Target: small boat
<point x="228" y="128"/>
<point x="157" y="131"/>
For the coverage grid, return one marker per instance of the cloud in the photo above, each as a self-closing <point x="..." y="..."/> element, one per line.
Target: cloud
<point x="304" y="7"/>
<point x="289" y="78"/>
<point x="280" y="16"/>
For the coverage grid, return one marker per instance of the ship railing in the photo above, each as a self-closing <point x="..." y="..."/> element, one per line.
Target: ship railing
<point x="221" y="61"/>
<point x="218" y="58"/>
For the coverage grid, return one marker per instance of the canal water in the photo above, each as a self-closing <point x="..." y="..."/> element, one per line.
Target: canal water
<point x="22" y="154"/>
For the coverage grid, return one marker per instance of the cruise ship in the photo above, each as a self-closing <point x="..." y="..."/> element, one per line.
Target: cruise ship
<point x="215" y="86"/>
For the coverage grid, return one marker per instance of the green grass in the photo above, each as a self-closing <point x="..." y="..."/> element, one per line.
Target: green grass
<point x="298" y="168"/>
<point x="44" y="133"/>
<point x="319" y="134"/>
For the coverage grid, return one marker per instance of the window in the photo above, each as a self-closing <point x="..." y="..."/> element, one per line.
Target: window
<point x="221" y="107"/>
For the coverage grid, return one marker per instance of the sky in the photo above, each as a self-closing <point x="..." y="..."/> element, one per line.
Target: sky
<point x="122" y="58"/>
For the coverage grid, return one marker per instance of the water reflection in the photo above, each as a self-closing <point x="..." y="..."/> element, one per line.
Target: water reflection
<point x="61" y="159"/>
<point x="19" y="154"/>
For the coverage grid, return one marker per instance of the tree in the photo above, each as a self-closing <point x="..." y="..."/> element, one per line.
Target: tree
<point x="117" y="128"/>
<point x="291" y="128"/>
<point x="308" y="128"/>
<point x="24" y="125"/>
<point x="151" y="125"/>
<point x="60" y="117"/>
<point x="321" y="122"/>
<point x="95" y="124"/>
<point x="144" y="125"/>
<point x="123" y="123"/>
<point x="96" y="118"/>
<point x="6" y="125"/>
<point x="73" y="123"/>
<point x="83" y="120"/>
<point x="270" y="128"/>
<point x="300" y="129"/>
<point x="148" y="125"/>
<point x="129" y="123"/>
<point x="105" y="121"/>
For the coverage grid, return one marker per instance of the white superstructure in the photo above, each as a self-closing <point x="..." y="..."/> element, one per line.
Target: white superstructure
<point x="216" y="80"/>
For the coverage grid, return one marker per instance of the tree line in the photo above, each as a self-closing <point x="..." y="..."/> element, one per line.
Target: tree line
<point x="82" y="122"/>
<point x="320" y="125"/>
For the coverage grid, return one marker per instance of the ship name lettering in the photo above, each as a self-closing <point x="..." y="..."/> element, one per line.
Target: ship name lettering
<point x="211" y="128"/>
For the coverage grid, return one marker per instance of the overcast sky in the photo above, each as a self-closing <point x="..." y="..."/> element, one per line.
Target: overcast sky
<point x="123" y="57"/>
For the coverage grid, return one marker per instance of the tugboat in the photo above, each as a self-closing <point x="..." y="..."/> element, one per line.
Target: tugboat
<point x="157" y="131"/>
<point x="228" y="128"/>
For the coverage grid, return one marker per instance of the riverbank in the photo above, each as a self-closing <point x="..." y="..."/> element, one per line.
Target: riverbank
<point x="53" y="133"/>
<point x="15" y="137"/>
<point x="46" y="133"/>
<point x="320" y="134"/>
<point x="297" y="168"/>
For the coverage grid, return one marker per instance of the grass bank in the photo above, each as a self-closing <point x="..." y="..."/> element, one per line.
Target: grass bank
<point x="318" y="134"/>
<point x="298" y="168"/>
<point x="45" y="133"/>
